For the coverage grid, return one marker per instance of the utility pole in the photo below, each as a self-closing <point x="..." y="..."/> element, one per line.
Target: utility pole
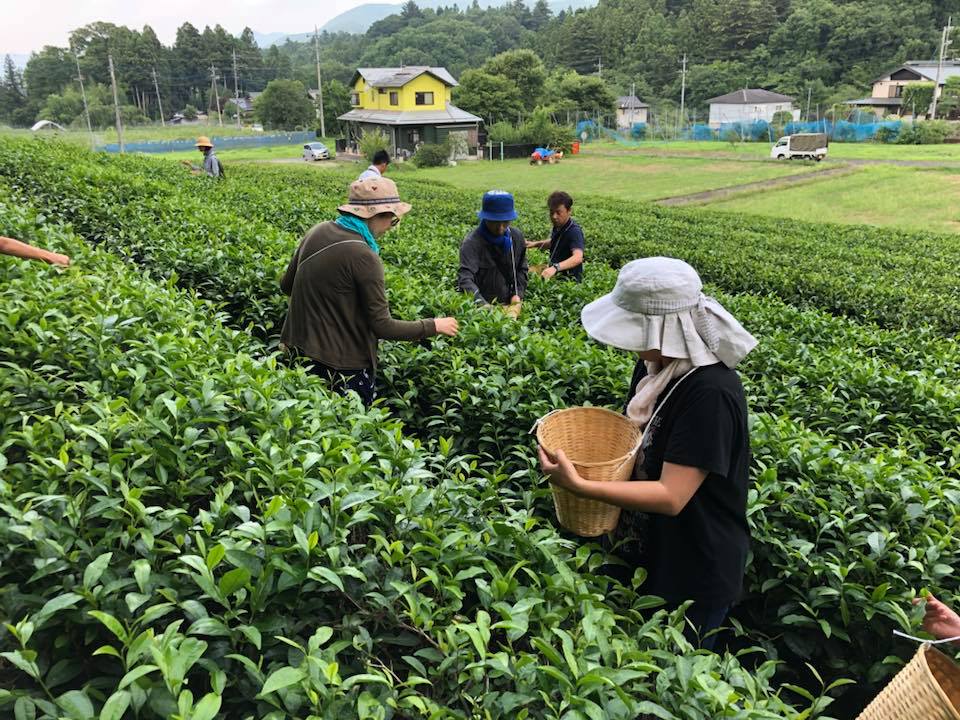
<point x="316" y="47"/>
<point x="156" y="87"/>
<point x="83" y="94"/>
<point x="600" y="66"/>
<point x="944" y="44"/>
<point x="683" y="91"/>
<point x="116" y="102"/>
<point x="809" y="91"/>
<point x="236" y="89"/>
<point x="216" y="92"/>
<point x="633" y="94"/>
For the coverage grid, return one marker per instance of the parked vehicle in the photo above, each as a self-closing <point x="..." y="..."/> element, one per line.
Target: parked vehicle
<point x="805" y="146"/>
<point x="315" y="151"/>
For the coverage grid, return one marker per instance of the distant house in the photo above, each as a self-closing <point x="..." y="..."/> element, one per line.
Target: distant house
<point x="888" y="88"/>
<point x="410" y="104"/>
<point x="747" y="106"/>
<point x="630" y="111"/>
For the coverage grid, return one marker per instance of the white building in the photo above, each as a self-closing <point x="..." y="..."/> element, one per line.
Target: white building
<point x="630" y="111"/>
<point x="749" y="106"/>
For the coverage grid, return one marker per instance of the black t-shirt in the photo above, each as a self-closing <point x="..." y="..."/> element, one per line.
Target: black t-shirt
<point x="562" y="244"/>
<point x="701" y="553"/>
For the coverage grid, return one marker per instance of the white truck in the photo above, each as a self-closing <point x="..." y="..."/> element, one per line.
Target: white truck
<point x="805" y="146"/>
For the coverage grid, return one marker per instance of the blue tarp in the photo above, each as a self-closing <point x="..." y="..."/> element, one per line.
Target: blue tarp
<point x="220" y="143"/>
<point x="760" y="131"/>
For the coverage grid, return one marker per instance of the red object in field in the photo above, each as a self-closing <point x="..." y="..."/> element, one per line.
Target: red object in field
<point x="575" y="148"/>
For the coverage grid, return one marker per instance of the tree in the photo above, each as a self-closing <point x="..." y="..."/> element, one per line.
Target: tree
<point x="949" y="104"/>
<point x="284" y="105"/>
<point x="486" y="95"/>
<point x="524" y="69"/>
<point x="336" y="102"/>
<point x="917" y="98"/>
<point x="572" y="91"/>
<point x="12" y="97"/>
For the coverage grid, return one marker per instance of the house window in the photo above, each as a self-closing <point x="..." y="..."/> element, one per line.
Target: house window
<point x="413" y="137"/>
<point x="394" y="97"/>
<point x="355" y="98"/>
<point x="382" y="91"/>
<point x="424" y="98"/>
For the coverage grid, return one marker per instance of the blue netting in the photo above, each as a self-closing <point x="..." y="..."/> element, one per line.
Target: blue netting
<point x="760" y="131"/>
<point x="221" y="143"/>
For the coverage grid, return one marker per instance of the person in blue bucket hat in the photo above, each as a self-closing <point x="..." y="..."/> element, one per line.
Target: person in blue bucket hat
<point x="493" y="256"/>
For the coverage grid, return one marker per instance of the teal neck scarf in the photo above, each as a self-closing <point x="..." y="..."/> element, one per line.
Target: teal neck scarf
<point x="355" y="224"/>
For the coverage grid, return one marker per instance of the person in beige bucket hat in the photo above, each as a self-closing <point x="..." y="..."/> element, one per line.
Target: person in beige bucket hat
<point x="692" y="473"/>
<point x="338" y="309"/>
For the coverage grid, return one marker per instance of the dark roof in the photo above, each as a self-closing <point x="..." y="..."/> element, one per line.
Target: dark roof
<point x="398" y="77"/>
<point x="630" y="102"/>
<point x="750" y="97"/>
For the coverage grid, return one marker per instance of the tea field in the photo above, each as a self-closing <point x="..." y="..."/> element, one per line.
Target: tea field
<point x="192" y="529"/>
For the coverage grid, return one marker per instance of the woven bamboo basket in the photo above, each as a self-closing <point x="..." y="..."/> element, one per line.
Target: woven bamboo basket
<point x="602" y="445"/>
<point x="926" y="688"/>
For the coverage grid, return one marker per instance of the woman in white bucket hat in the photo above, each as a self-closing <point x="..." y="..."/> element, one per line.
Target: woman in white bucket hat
<point x="695" y="453"/>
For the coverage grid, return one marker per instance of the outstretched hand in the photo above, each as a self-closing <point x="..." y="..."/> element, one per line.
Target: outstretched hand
<point x="939" y="619"/>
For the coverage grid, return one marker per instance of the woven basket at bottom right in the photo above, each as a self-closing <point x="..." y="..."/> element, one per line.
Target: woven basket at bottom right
<point x="926" y="688"/>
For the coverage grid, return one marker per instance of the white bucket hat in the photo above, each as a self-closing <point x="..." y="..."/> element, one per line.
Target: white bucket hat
<point x="658" y="304"/>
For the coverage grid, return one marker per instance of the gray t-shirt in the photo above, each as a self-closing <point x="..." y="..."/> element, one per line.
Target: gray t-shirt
<point x="211" y="165"/>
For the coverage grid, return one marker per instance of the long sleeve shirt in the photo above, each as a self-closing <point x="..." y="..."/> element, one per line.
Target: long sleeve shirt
<point x="338" y="306"/>
<point x="489" y="273"/>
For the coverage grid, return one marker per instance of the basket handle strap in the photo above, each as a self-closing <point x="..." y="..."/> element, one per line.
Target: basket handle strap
<point x="924" y="640"/>
<point x="536" y="423"/>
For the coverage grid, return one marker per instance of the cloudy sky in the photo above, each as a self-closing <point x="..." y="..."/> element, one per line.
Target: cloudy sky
<point x="27" y="25"/>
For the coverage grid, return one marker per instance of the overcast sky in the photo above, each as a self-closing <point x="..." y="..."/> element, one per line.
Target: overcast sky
<point x="27" y="25"/>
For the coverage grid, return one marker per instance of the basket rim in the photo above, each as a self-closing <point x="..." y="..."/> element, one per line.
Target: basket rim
<point x="928" y="649"/>
<point x="619" y="416"/>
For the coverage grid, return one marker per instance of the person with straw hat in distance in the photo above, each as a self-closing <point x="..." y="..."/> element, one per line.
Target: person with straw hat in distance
<point x="338" y="307"/>
<point x="493" y="256"/>
<point x="211" y="164"/>
<point x="692" y="472"/>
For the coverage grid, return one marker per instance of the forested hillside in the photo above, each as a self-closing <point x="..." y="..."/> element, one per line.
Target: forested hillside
<point x="832" y="49"/>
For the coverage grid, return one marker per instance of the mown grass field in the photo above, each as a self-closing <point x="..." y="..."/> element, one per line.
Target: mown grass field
<point x="624" y="176"/>
<point x="838" y="150"/>
<point x="905" y="197"/>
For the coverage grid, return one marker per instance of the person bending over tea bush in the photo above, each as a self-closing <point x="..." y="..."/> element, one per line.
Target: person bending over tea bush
<point x="493" y="256"/>
<point x="338" y="307"/>
<point x="692" y="472"/>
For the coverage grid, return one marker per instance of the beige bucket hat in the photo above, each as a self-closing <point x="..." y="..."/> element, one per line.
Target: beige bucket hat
<point x="203" y="141"/>
<point x="374" y="196"/>
<point x="658" y="304"/>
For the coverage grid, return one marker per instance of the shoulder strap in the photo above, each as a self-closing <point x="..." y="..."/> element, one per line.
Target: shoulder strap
<point x="664" y="402"/>
<point x="303" y="261"/>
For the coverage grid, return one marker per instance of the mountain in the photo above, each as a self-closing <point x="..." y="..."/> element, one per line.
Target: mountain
<point x="359" y="19"/>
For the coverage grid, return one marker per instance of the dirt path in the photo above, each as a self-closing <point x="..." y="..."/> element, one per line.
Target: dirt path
<point x="722" y="193"/>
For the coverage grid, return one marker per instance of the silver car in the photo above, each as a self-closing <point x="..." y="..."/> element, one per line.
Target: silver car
<point x="315" y="151"/>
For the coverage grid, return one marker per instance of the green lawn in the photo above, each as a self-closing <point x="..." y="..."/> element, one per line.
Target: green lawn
<point x="747" y="151"/>
<point x="912" y="198"/>
<point x="252" y="154"/>
<point x="627" y="176"/>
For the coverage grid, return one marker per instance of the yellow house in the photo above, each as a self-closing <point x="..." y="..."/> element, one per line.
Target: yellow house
<point x="411" y="104"/>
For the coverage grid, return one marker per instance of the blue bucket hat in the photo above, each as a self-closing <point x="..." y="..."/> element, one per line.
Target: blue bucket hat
<point x="497" y="206"/>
